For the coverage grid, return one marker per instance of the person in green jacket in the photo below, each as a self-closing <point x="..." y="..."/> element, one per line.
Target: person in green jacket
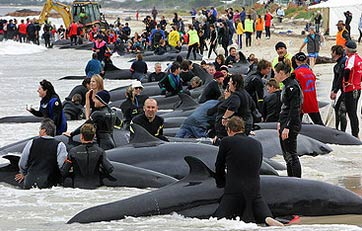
<point x="249" y="30"/>
<point x="194" y="41"/>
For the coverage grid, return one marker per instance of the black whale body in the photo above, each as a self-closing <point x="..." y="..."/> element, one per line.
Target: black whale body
<point x="270" y="142"/>
<point x="123" y="175"/>
<point x="146" y="151"/>
<point x="197" y="196"/>
<point x="322" y="133"/>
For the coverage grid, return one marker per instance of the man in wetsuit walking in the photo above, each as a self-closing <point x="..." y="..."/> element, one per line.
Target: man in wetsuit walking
<point x="243" y="157"/>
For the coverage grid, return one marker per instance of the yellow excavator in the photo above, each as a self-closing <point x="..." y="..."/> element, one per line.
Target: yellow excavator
<point x="86" y="12"/>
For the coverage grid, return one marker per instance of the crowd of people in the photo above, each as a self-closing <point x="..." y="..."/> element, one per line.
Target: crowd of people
<point x="230" y="104"/>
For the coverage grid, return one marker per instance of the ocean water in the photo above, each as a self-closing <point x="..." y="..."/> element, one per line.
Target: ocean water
<point x="23" y="66"/>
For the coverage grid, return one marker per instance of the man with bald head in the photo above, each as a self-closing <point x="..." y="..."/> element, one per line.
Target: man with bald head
<point x="149" y="120"/>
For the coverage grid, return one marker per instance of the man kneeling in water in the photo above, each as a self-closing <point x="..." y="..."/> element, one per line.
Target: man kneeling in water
<point x="243" y="157"/>
<point x="85" y="162"/>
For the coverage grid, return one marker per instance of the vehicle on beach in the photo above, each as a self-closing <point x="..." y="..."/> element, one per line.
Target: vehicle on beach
<point x="86" y="12"/>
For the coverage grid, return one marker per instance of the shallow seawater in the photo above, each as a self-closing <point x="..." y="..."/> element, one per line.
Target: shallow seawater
<point x="49" y="209"/>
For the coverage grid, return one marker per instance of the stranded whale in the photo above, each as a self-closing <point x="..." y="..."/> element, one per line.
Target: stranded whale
<point x="197" y="196"/>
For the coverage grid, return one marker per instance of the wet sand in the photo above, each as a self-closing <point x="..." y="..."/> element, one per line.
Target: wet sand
<point x="349" y="219"/>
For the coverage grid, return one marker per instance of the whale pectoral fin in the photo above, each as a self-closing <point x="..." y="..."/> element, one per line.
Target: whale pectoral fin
<point x="14" y="160"/>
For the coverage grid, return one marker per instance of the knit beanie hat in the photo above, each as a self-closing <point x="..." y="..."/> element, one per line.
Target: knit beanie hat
<point x="218" y="74"/>
<point x="351" y="45"/>
<point x="103" y="96"/>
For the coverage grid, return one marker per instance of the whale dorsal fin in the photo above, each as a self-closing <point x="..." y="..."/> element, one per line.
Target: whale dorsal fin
<point x="141" y="135"/>
<point x="242" y="58"/>
<point x="198" y="169"/>
<point x="187" y="102"/>
<point x="14" y="160"/>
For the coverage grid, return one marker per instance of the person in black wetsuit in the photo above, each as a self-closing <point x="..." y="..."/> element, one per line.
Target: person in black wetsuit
<point x="149" y="120"/>
<point x="81" y="90"/>
<point x="289" y="118"/>
<point x="171" y="84"/>
<point x="103" y="118"/>
<point x="242" y="156"/>
<point x="186" y="73"/>
<point x="254" y="83"/>
<point x="238" y="104"/>
<point x="73" y="110"/>
<point x="157" y="75"/>
<point x="272" y="103"/>
<point x="214" y="89"/>
<point x="133" y="105"/>
<point x="339" y="107"/>
<point x="88" y="161"/>
<point x="50" y="106"/>
<point x="42" y="158"/>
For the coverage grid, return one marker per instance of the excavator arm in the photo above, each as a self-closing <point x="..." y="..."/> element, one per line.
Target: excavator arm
<point x="62" y="9"/>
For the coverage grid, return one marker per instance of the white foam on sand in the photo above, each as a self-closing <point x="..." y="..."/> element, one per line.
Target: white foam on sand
<point x="16" y="48"/>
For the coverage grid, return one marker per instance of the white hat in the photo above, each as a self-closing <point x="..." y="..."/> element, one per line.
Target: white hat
<point x="137" y="84"/>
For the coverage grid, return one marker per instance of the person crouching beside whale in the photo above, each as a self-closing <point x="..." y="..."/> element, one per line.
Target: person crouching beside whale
<point x="86" y="162"/>
<point x="242" y="156"/>
<point x="42" y="158"/>
<point x="50" y="106"/>
<point x="149" y="120"/>
<point x="103" y="118"/>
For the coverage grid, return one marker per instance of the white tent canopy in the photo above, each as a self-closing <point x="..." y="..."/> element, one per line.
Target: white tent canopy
<point x="336" y="9"/>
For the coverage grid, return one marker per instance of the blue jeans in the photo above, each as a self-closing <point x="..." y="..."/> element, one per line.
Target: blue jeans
<point x="188" y="131"/>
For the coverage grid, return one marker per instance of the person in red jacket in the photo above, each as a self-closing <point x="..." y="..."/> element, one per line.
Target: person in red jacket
<point x="73" y="33"/>
<point x="22" y="31"/>
<point x="352" y="84"/>
<point x="307" y="81"/>
<point x="268" y="21"/>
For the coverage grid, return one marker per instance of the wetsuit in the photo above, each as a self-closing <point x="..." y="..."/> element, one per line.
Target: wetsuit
<point x="156" y="77"/>
<point x="240" y="103"/>
<point x="254" y="85"/>
<point x="339" y="107"/>
<point x="271" y="107"/>
<point x="186" y="77"/>
<point x="52" y="108"/>
<point x="242" y="156"/>
<point x="40" y="162"/>
<point x="213" y="43"/>
<point x="171" y="84"/>
<point x="211" y="91"/>
<point x="89" y="162"/>
<point x="155" y="127"/>
<point x="72" y="111"/>
<point x="131" y="109"/>
<point x="103" y="119"/>
<point x="292" y="100"/>
<point x="81" y="90"/>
